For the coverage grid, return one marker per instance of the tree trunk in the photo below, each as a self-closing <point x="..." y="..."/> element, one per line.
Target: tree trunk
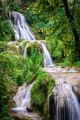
<point x="71" y="20"/>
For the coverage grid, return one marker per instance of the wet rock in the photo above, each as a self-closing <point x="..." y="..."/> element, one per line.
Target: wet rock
<point x="59" y="69"/>
<point x="29" y="109"/>
<point x="26" y="116"/>
<point x="62" y="103"/>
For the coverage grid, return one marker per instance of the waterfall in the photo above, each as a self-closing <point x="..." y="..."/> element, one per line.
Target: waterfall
<point x="65" y="104"/>
<point x="47" y="57"/>
<point x="20" y="27"/>
<point x="22" y="31"/>
<point x="26" y="100"/>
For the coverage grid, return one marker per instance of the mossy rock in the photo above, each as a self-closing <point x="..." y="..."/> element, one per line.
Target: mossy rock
<point x="46" y="111"/>
<point x="18" y="116"/>
<point x="13" y="49"/>
<point x="34" y="48"/>
<point x="22" y="45"/>
<point x="3" y="46"/>
<point x="43" y="85"/>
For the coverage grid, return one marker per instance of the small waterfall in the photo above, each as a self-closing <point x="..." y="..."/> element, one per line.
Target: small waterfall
<point x="65" y="104"/>
<point x="20" y="26"/>
<point x="25" y="51"/>
<point x="26" y="100"/>
<point x="22" y="31"/>
<point x="47" y="57"/>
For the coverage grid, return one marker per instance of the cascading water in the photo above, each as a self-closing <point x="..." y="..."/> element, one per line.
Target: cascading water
<point x="25" y="102"/>
<point x="20" y="27"/>
<point x="47" y="57"/>
<point x="65" y="104"/>
<point x="22" y="31"/>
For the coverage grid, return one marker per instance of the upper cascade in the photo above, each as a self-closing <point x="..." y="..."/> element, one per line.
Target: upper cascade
<point x="22" y="31"/>
<point x="20" y="27"/>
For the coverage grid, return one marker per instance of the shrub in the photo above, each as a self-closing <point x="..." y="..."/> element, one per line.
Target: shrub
<point x="34" y="52"/>
<point x="6" y="33"/>
<point x="41" y="89"/>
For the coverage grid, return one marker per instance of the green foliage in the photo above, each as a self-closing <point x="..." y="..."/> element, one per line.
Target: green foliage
<point x="23" y="69"/>
<point x="43" y="85"/>
<point x="5" y="113"/>
<point x="7" y="84"/>
<point x="3" y="46"/>
<point x="51" y="24"/>
<point x="77" y="63"/>
<point x="68" y="63"/>
<point x="48" y="21"/>
<point x="6" y="32"/>
<point x="35" y="53"/>
<point x="15" y="70"/>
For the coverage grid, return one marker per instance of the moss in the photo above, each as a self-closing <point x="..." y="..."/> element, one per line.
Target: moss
<point x="41" y="89"/>
<point x="34" y="48"/>
<point x="22" y="117"/>
<point x="15" y="70"/>
<point x="8" y="84"/>
<point x="13" y="49"/>
<point x="23" y="45"/>
<point x="7" y="32"/>
<point x="3" y="46"/>
<point x="35" y="53"/>
<point x="26" y="43"/>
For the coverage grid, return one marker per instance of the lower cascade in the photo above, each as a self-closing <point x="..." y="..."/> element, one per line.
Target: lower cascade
<point x="23" y="98"/>
<point x="23" y="104"/>
<point x="64" y="104"/>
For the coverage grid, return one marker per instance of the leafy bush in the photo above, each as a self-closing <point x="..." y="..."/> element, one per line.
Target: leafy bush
<point x="3" y="46"/>
<point x="7" y="84"/>
<point x="15" y="70"/>
<point x="41" y="89"/>
<point x="6" y="33"/>
<point x="35" y="53"/>
<point x="5" y="113"/>
<point x="50" y="25"/>
<point x="77" y="63"/>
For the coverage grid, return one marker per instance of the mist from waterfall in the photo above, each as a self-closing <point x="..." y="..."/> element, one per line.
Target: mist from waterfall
<point x="66" y="104"/>
<point x="22" y="31"/>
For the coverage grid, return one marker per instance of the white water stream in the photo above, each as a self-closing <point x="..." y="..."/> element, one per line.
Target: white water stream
<point x="47" y="57"/>
<point x="67" y="106"/>
<point x="20" y="27"/>
<point x="22" y="31"/>
<point x="26" y="100"/>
